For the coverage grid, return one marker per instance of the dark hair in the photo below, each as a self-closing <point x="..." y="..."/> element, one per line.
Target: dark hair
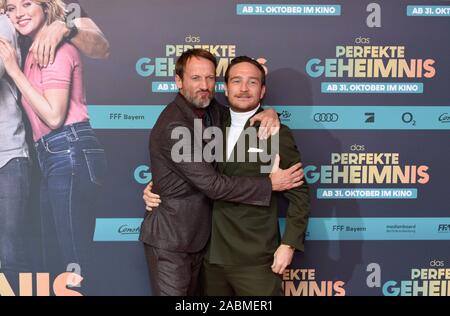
<point x="246" y="59"/>
<point x="180" y="66"/>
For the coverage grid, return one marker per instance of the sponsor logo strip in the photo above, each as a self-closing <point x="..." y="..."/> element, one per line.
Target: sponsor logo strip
<point x="367" y="228"/>
<point x="296" y="117"/>
<point x="417" y="228"/>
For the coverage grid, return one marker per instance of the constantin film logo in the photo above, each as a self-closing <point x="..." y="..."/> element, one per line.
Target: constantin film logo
<point x="128" y="230"/>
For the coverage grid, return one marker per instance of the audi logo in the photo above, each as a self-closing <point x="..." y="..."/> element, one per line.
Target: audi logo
<point x="326" y="117"/>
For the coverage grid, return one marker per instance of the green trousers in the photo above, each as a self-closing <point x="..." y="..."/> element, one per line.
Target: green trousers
<point x="224" y="280"/>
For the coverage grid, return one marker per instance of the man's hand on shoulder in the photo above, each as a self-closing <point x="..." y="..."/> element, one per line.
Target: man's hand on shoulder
<point x="151" y="200"/>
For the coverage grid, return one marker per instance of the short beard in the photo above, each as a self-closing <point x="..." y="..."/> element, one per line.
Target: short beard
<point x="199" y="104"/>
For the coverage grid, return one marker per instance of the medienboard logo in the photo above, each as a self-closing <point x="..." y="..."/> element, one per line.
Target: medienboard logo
<point x="403" y="228"/>
<point x="444" y="228"/>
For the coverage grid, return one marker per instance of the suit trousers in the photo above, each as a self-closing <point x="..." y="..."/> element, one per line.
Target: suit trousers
<point x="227" y="280"/>
<point x="175" y="273"/>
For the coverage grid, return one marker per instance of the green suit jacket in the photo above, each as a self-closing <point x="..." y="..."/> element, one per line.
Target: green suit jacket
<point x="249" y="235"/>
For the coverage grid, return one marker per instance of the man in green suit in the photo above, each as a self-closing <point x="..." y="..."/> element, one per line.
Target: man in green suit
<point x="246" y="254"/>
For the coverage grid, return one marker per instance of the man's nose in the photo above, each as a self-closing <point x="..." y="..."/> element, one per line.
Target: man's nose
<point x="244" y="86"/>
<point x="204" y="84"/>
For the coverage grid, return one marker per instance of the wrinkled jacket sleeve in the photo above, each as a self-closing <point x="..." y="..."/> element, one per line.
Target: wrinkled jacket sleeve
<point x="298" y="211"/>
<point x="203" y="175"/>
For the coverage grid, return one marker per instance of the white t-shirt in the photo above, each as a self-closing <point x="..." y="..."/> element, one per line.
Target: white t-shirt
<point x="238" y="121"/>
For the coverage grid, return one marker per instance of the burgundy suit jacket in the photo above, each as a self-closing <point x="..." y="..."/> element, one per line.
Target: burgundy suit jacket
<point x="182" y="222"/>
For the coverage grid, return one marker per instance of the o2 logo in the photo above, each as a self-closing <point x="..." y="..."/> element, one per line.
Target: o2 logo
<point x="142" y="174"/>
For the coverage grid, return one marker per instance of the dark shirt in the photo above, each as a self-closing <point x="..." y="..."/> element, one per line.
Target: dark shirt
<point x="204" y="114"/>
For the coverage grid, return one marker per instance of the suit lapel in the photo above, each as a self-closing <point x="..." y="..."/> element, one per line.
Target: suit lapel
<point x="224" y="126"/>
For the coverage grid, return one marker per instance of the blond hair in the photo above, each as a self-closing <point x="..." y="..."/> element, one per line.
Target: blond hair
<point x="54" y="10"/>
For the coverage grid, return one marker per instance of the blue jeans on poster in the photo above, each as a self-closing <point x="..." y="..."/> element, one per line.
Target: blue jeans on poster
<point x="14" y="192"/>
<point x="73" y="167"/>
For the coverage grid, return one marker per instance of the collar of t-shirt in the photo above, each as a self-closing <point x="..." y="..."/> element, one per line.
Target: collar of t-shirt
<point x="238" y="121"/>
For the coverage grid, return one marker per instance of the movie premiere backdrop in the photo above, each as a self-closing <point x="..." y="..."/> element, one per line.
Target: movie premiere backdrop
<point x="364" y="85"/>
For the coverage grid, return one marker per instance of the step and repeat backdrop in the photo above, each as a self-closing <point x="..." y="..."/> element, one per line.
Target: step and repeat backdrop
<point x="365" y="87"/>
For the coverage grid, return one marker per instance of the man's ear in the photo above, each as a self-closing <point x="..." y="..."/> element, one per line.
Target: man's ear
<point x="179" y="82"/>
<point x="226" y="90"/>
<point x="263" y="92"/>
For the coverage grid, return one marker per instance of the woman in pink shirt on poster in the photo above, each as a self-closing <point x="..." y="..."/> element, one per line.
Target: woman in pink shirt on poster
<point x="71" y="159"/>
